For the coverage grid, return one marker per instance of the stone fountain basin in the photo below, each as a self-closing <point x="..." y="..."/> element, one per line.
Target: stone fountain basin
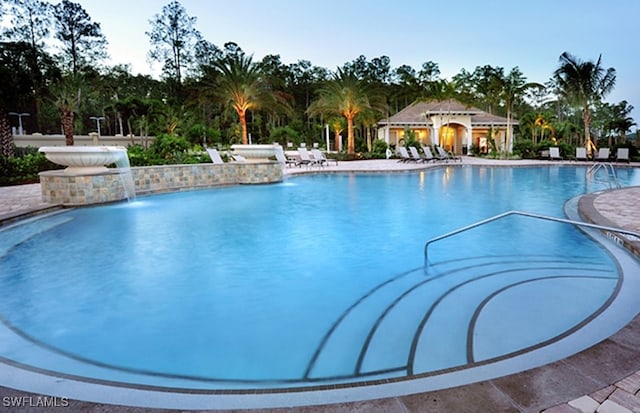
<point x="84" y="160"/>
<point x="255" y="152"/>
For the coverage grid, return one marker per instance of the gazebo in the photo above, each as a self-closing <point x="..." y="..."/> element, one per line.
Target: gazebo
<point x="449" y="124"/>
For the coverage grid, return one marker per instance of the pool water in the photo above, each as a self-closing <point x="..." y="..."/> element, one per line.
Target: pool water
<point x="317" y="280"/>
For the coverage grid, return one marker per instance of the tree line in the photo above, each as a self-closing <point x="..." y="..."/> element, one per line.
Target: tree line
<point x="52" y="66"/>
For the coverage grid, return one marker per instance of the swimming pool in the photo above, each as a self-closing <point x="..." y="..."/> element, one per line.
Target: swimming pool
<point x="312" y="283"/>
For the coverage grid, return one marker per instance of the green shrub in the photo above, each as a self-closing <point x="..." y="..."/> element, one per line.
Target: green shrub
<point x="525" y="149"/>
<point x="378" y="149"/>
<point x="567" y="151"/>
<point x="165" y="146"/>
<point x="140" y="156"/>
<point x="24" y="168"/>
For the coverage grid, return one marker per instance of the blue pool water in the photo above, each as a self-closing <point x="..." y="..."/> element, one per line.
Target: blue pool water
<point x="313" y="281"/>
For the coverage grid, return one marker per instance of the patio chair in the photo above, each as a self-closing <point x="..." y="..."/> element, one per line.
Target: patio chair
<point x="282" y="158"/>
<point x="305" y="158"/>
<point x="603" y="155"/>
<point x="214" y="155"/>
<point x="581" y="154"/>
<point x="428" y="155"/>
<point x="319" y="156"/>
<point x="413" y="152"/>
<point x="447" y="155"/>
<point x="404" y="155"/>
<point x="554" y="154"/>
<point x="622" y="155"/>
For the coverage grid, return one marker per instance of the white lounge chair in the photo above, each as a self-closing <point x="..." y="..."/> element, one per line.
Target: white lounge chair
<point x="554" y="153"/>
<point x="413" y="151"/>
<point x="447" y="156"/>
<point x="321" y="157"/>
<point x="428" y="154"/>
<point x="238" y="158"/>
<point x="622" y="155"/>
<point x="404" y="155"/>
<point x="305" y="158"/>
<point x="282" y="158"/>
<point x="581" y="154"/>
<point x="603" y="155"/>
<point x="214" y="155"/>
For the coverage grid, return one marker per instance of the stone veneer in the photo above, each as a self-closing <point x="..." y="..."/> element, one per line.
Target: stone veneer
<point x="72" y="190"/>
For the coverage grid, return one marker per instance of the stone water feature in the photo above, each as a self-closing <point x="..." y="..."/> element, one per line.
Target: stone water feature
<point x="86" y="179"/>
<point x="256" y="152"/>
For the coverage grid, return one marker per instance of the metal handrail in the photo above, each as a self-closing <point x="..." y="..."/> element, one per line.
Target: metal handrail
<point x="526" y="214"/>
<point x="610" y="171"/>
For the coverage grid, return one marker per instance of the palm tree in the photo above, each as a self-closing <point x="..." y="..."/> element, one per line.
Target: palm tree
<point x="68" y="93"/>
<point x="347" y="96"/>
<point x="582" y="84"/>
<point x="241" y="85"/>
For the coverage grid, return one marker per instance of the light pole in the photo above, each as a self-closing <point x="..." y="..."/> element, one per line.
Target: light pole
<point x="97" y="119"/>
<point x="19" y="115"/>
<point x="327" y="136"/>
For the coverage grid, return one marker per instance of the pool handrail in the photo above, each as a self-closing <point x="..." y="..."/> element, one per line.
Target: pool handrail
<point x="526" y="214"/>
<point x="610" y="170"/>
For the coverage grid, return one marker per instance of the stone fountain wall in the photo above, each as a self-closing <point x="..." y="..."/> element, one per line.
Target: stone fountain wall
<point x="166" y="178"/>
<point x="59" y="187"/>
<point x="71" y="190"/>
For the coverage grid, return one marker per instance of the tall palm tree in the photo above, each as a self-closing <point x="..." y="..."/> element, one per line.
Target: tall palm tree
<point x="347" y="96"/>
<point x="582" y="84"/>
<point x="241" y="85"/>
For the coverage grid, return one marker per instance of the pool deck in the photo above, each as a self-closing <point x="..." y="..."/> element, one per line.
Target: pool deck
<point x="604" y="378"/>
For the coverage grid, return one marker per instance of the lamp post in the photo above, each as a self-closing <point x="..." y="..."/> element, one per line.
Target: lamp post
<point x="97" y="119"/>
<point x="19" y="115"/>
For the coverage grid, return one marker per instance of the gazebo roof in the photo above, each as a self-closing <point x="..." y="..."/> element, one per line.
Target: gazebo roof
<point x="416" y="114"/>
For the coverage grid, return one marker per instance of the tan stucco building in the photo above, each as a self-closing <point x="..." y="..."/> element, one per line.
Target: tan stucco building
<point x="449" y="124"/>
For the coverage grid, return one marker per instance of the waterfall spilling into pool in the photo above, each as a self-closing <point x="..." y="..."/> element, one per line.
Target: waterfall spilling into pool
<point x="86" y="179"/>
<point x="126" y="177"/>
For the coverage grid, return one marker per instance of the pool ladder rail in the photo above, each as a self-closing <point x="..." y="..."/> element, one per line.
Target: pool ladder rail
<point x="608" y="230"/>
<point x="611" y="176"/>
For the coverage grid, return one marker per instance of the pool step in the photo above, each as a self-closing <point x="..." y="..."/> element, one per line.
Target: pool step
<point x="416" y="323"/>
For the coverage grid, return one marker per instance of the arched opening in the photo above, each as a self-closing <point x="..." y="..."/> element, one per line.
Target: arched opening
<point x="451" y="136"/>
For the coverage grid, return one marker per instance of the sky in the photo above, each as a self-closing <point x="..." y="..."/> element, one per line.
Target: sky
<point x="454" y="34"/>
